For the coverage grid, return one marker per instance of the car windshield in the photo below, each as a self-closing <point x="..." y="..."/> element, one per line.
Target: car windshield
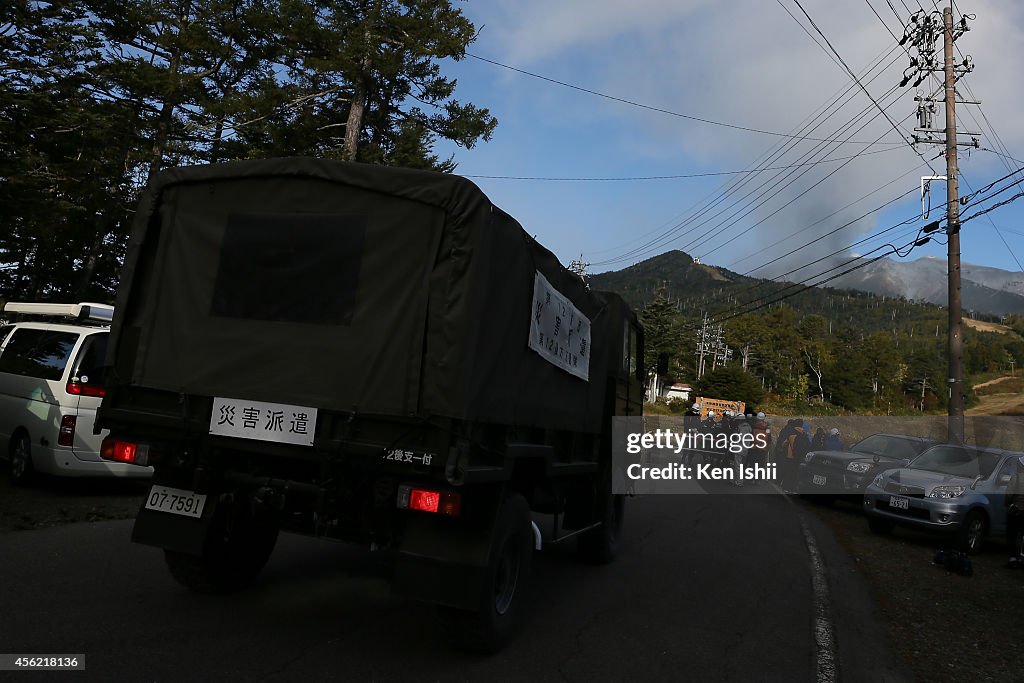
<point x="888" y="447"/>
<point x="960" y="462"/>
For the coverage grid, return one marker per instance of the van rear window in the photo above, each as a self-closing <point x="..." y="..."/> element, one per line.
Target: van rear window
<point x="37" y="353"/>
<point x="91" y="359"/>
<point x="300" y="268"/>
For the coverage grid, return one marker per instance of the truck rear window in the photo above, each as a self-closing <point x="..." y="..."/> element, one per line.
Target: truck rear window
<point x="37" y="353"/>
<point x="299" y="268"/>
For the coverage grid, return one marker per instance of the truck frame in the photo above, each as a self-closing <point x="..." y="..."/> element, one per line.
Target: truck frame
<point x="419" y="375"/>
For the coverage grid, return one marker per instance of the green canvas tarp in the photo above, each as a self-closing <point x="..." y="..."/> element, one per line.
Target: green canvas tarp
<point x="352" y="287"/>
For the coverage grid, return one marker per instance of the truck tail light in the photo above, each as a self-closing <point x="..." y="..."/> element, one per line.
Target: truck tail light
<point x="66" y="435"/>
<point x="117" y="450"/>
<point x="447" y="503"/>
<point x="76" y="388"/>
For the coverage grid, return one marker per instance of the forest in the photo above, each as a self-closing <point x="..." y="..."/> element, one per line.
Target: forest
<point x="97" y="96"/>
<point x="809" y="348"/>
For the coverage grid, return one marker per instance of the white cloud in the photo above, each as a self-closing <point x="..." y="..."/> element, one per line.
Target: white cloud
<point x="747" y="62"/>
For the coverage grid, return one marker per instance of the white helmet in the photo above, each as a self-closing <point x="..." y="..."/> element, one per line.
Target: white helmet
<point x="760" y="416"/>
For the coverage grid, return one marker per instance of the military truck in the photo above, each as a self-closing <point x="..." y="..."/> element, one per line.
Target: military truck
<point x="370" y="354"/>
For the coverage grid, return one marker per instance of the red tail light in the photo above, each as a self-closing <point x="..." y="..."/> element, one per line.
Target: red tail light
<point x="446" y="503"/>
<point x="66" y="435"/>
<point x="425" y="501"/>
<point x="78" y="389"/>
<point x="119" y="451"/>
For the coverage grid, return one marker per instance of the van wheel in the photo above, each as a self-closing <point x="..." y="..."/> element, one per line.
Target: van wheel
<point x="504" y="587"/>
<point x="21" y="472"/>
<point x="231" y="560"/>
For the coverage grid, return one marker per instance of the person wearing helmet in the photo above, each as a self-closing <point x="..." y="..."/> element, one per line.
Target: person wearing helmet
<point x="740" y="453"/>
<point x="797" y="445"/>
<point x="762" y="433"/>
<point x="834" y="441"/>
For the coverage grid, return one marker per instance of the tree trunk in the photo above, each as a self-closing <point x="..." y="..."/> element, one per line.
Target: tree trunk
<point x="354" y="123"/>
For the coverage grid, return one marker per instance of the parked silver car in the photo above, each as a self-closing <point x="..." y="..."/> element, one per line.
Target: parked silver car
<point x="955" y="490"/>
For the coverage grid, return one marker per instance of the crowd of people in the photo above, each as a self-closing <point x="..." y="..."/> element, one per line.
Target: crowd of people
<point x="787" y="450"/>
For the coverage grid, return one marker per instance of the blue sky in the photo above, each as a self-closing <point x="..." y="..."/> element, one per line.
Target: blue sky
<point x="747" y="63"/>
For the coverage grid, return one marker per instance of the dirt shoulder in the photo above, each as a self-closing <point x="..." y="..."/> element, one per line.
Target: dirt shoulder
<point x="944" y="626"/>
<point x="54" y="501"/>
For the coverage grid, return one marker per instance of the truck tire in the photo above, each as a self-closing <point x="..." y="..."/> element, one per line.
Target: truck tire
<point x="601" y="545"/>
<point x="505" y="584"/>
<point x="231" y="559"/>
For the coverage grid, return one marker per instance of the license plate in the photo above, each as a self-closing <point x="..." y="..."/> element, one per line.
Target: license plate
<point x="176" y="501"/>
<point x="899" y="502"/>
<point x="819" y="480"/>
<point x="263" y="421"/>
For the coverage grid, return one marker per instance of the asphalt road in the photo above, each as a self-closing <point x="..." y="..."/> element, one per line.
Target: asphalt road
<point x="708" y="588"/>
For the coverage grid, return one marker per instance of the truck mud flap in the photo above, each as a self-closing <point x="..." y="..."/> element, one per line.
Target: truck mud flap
<point x="442" y="563"/>
<point x="174" y="532"/>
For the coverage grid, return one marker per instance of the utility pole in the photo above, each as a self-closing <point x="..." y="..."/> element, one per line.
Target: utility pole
<point x="579" y="268"/>
<point x="710" y="344"/>
<point x="924" y="29"/>
<point x="956" y="376"/>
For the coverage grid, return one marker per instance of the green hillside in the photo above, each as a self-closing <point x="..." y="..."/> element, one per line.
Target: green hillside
<point x="818" y="347"/>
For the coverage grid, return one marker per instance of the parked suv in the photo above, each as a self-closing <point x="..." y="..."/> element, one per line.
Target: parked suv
<point x="51" y="382"/>
<point x="825" y="475"/>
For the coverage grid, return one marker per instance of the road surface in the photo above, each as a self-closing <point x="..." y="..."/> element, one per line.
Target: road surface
<point x="708" y="588"/>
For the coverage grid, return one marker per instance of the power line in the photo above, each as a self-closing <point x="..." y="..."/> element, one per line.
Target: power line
<point x="827" y="234"/>
<point x="708" y="237"/>
<point x="811" y="122"/>
<point x="869" y="238"/>
<point x="708" y="174"/>
<point x="805" y="286"/>
<point x="648" y="107"/>
<point x="857" y="80"/>
<point x="758" y="200"/>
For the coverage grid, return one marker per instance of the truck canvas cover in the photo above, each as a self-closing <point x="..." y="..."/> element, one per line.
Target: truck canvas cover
<point x="354" y="287"/>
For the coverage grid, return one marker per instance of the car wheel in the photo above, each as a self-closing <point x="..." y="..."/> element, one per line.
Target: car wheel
<point x="233" y="556"/>
<point x="21" y="471"/>
<point x="973" y="532"/>
<point x="880" y="526"/>
<point x="501" y="599"/>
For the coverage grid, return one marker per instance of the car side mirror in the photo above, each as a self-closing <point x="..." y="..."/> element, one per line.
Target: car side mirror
<point x="876" y="458"/>
<point x="1004" y="479"/>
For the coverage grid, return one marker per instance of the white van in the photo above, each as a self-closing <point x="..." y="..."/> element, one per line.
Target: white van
<point x="51" y="382"/>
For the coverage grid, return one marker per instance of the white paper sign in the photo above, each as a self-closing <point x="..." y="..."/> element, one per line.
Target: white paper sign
<point x="558" y="331"/>
<point x="263" y="421"/>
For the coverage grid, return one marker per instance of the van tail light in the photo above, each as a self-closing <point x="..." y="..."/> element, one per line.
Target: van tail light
<point x="76" y="388"/>
<point x="66" y="435"/>
<point x="447" y="503"/>
<point x="118" y="450"/>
